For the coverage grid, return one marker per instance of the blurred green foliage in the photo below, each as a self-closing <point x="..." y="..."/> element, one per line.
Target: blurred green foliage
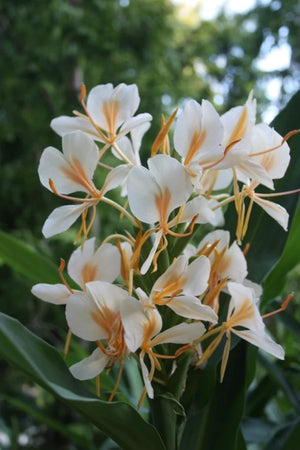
<point x="47" y="49"/>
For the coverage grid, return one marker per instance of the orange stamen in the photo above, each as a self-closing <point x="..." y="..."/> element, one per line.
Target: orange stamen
<point x="282" y="308"/>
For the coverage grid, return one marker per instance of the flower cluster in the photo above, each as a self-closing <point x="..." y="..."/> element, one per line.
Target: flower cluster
<point x="155" y="284"/>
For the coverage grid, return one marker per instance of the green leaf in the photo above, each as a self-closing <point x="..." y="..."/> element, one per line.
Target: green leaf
<point x="83" y="439"/>
<point x="286" y="438"/>
<point x="216" y="426"/>
<point x="26" y="260"/>
<point x="168" y="416"/>
<point x="43" y="364"/>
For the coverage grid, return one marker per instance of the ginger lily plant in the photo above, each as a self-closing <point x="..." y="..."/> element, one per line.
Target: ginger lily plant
<point x="169" y="292"/>
<point x="129" y="314"/>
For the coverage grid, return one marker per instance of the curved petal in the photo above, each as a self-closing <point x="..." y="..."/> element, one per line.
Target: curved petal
<point x="145" y="373"/>
<point x="251" y="170"/>
<point x="57" y="294"/>
<point x="108" y="263"/>
<point x="262" y="341"/>
<point x="199" y="132"/>
<point x="274" y="210"/>
<point x="134" y="123"/>
<point x="95" y="100"/>
<point x="222" y="236"/>
<point x="184" y="333"/>
<point x="66" y="124"/>
<point x="233" y="264"/>
<point x="170" y="175"/>
<point x="191" y="308"/>
<point x="197" y="275"/>
<point x="62" y="218"/>
<point x="106" y="296"/>
<point x="79" y="259"/>
<point x="90" y="367"/>
<point x="134" y="322"/>
<point x="53" y="165"/>
<point x="172" y="275"/>
<point x="110" y="107"/>
<point x="81" y="314"/>
<point x="116" y="177"/>
<point x="275" y="162"/>
<point x="81" y="152"/>
<point x="142" y="190"/>
<point x="198" y="206"/>
<point x="87" y="265"/>
<point x="147" y="263"/>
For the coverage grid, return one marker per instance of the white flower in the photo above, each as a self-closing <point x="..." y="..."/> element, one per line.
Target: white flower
<point x="198" y="137"/>
<point x="85" y="265"/>
<point x="68" y="172"/>
<point x="95" y="316"/>
<point x="178" y="287"/>
<point x="244" y="320"/>
<point x="109" y="113"/>
<point x="153" y="194"/>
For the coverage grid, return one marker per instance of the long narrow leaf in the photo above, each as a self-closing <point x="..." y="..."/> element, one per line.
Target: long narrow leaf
<point x="26" y="260"/>
<point x="43" y="364"/>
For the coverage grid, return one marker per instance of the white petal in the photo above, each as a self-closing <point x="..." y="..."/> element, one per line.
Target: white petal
<point x="134" y="322"/>
<point x="191" y="308"/>
<point x="57" y="294"/>
<point x="262" y="341"/>
<point x="66" y="124"/>
<point x="170" y="174"/>
<point x="62" y="218"/>
<point x="54" y="166"/>
<point x="133" y="123"/>
<point x="87" y="265"/>
<point x="197" y="275"/>
<point x="233" y="264"/>
<point x="239" y="121"/>
<point x="222" y="236"/>
<point x="138" y="132"/>
<point x="116" y="177"/>
<point x="142" y="192"/>
<point x="108" y="261"/>
<point x="97" y="96"/>
<point x="198" y="206"/>
<point x="275" y="162"/>
<point x="243" y="306"/>
<point x="274" y="210"/>
<point x="252" y="170"/>
<point x="79" y="259"/>
<point x="172" y="274"/>
<point x="147" y="263"/>
<point x="196" y="119"/>
<point x="89" y="367"/>
<point x="129" y="100"/>
<point x="145" y="373"/>
<point x="78" y="147"/>
<point x="106" y="295"/>
<point x="125" y="97"/>
<point x="184" y="333"/>
<point x="220" y="179"/>
<point x="125" y="145"/>
<point x="81" y="311"/>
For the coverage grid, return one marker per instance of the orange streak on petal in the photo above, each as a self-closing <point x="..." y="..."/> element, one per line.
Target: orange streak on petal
<point x="110" y="111"/>
<point x="241" y="127"/>
<point x="162" y="202"/>
<point x="196" y="142"/>
<point x="89" y="272"/>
